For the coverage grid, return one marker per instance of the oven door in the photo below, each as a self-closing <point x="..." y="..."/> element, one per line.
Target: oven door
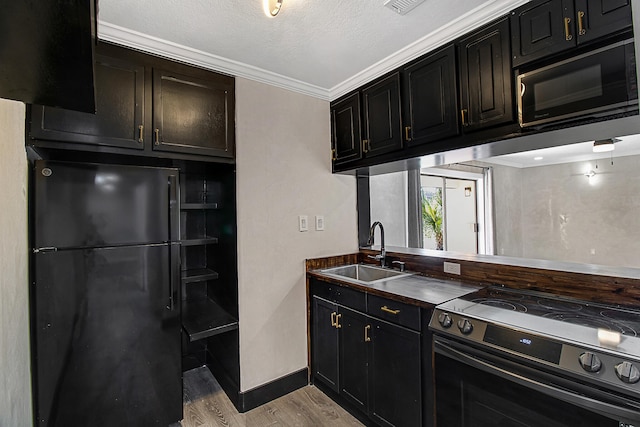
<point x="594" y="82"/>
<point x="480" y="389"/>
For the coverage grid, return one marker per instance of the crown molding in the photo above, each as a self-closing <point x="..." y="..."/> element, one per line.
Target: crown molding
<point x="447" y="33"/>
<point x="475" y="18"/>
<point x="146" y="43"/>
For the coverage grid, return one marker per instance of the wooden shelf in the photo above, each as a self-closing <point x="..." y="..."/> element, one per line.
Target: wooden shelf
<point x="198" y="275"/>
<point x="198" y="206"/>
<point x="199" y="240"/>
<point x="204" y="318"/>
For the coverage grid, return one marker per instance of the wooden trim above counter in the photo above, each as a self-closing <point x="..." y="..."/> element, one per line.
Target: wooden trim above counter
<point x="589" y="287"/>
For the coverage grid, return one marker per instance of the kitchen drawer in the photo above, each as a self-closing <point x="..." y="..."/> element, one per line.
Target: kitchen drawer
<point x="341" y="295"/>
<point x="393" y="311"/>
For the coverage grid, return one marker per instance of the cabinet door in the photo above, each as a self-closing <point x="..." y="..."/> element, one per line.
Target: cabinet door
<point x="382" y="122"/>
<point x="395" y="375"/>
<point x="597" y="18"/>
<point x="353" y="357"/>
<point x="325" y="343"/>
<point x="430" y="98"/>
<point x="119" y="110"/>
<point x="485" y="77"/>
<point x="345" y="129"/>
<point x="193" y="115"/>
<point x="538" y="29"/>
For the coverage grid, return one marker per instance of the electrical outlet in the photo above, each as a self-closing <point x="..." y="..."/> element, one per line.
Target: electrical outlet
<point x="452" y="268"/>
<point x="303" y="222"/>
<point x="319" y="223"/>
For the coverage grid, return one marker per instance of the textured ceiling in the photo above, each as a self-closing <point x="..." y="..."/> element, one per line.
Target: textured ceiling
<point x="325" y="47"/>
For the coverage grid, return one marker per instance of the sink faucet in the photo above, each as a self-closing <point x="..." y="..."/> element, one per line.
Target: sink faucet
<point x="382" y="255"/>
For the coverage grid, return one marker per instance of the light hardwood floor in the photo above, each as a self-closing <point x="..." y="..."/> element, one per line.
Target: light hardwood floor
<point x="205" y="404"/>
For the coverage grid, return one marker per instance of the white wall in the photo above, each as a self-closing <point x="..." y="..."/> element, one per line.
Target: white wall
<point x="565" y="216"/>
<point x="15" y="379"/>
<point x="283" y="170"/>
<point x="390" y="207"/>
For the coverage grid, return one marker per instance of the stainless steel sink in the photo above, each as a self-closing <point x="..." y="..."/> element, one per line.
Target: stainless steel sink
<point x="364" y="273"/>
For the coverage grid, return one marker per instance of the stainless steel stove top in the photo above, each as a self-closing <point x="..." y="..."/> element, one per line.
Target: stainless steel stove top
<point x="593" y="341"/>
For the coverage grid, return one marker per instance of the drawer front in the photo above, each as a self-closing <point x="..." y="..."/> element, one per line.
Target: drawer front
<point x="341" y="295"/>
<point x="393" y="311"/>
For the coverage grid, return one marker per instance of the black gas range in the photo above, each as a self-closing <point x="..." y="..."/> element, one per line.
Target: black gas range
<point x="583" y="354"/>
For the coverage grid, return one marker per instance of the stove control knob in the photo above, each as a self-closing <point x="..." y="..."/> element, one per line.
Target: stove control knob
<point x="445" y="320"/>
<point x="465" y="326"/>
<point x="627" y="372"/>
<point x="590" y="362"/>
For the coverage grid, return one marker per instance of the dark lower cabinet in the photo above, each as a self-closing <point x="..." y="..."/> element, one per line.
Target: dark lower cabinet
<point x="395" y="365"/>
<point x="485" y="77"/>
<point x="354" y="360"/>
<point x="373" y="366"/>
<point x="325" y="345"/>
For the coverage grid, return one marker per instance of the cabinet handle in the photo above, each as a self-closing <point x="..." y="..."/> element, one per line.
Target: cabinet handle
<point x="367" y="338"/>
<point x="407" y="129"/>
<point x="333" y="319"/>
<point x="157" y="134"/>
<point x="365" y="142"/>
<point x="567" y="31"/>
<point x="338" y="325"/>
<point x="334" y="157"/>
<point x="389" y="310"/>
<point x="581" y="30"/>
<point x="141" y="133"/>
<point x="463" y="113"/>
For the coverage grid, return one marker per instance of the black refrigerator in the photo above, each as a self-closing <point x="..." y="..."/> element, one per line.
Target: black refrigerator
<point x="105" y="295"/>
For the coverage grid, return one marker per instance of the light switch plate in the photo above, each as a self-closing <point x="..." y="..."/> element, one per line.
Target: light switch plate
<point x="303" y="223"/>
<point x="319" y="223"/>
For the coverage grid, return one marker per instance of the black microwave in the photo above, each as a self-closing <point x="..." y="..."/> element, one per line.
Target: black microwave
<point x="602" y="81"/>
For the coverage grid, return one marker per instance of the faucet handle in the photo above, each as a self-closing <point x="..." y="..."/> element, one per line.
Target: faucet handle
<point x="401" y="265"/>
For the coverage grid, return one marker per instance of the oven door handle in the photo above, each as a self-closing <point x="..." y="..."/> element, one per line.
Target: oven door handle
<point x="616" y="412"/>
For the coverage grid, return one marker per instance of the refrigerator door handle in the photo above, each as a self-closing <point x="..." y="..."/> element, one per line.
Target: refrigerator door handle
<point x="174" y="208"/>
<point x="174" y="245"/>
<point x="174" y="275"/>
<point x="45" y="249"/>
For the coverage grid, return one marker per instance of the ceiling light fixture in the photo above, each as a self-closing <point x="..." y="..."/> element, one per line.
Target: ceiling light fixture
<point x="604" y="145"/>
<point x="272" y="7"/>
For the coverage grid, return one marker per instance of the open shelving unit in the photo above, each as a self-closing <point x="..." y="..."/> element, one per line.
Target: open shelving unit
<point x="209" y="272"/>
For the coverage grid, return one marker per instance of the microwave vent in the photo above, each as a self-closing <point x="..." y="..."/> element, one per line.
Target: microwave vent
<point x="402" y="6"/>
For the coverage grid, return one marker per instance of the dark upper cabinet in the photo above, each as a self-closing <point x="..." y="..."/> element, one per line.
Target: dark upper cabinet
<point x="382" y="125"/>
<point x="543" y="27"/>
<point x="46" y="52"/>
<point x="486" y="97"/>
<point x="598" y="18"/>
<point x="193" y="115"/>
<point x="430" y="98"/>
<point x="119" y="117"/>
<point x="345" y="129"/>
<point x="148" y="104"/>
